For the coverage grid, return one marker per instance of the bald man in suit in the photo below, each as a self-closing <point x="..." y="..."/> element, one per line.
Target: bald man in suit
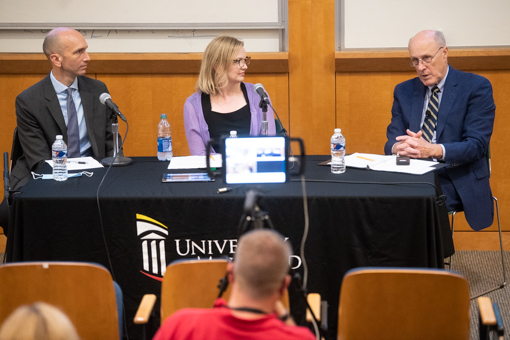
<point x="462" y="131"/>
<point x="41" y="110"/>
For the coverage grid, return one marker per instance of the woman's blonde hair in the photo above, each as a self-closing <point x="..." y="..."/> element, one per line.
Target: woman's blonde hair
<point x="39" y="321"/>
<point x="218" y="56"/>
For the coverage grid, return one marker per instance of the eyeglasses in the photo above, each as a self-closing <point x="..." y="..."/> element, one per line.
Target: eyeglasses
<point x="242" y="61"/>
<point x="426" y="60"/>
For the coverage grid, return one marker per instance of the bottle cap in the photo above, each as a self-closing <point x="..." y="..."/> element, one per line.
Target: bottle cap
<point x="59" y="136"/>
<point x="163" y="116"/>
<point x="233" y="133"/>
<point x="337" y="130"/>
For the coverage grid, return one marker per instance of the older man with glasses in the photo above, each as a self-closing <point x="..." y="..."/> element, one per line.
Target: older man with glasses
<point x="447" y="115"/>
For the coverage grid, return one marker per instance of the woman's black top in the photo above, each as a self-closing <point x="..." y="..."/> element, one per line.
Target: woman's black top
<point x="220" y="124"/>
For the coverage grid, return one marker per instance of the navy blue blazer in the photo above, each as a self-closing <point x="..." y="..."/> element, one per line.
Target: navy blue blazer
<point x="464" y="127"/>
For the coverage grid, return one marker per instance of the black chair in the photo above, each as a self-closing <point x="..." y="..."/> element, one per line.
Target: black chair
<point x="16" y="150"/>
<point x="503" y="271"/>
<point x="16" y="153"/>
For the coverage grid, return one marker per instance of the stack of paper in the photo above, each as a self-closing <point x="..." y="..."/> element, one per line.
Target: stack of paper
<point x="389" y="163"/>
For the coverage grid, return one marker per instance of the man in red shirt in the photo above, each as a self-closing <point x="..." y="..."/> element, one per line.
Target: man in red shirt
<point x="259" y="277"/>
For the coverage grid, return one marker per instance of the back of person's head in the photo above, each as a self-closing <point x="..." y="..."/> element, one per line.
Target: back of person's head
<point x="261" y="263"/>
<point x="39" y="321"/>
<point x="217" y="58"/>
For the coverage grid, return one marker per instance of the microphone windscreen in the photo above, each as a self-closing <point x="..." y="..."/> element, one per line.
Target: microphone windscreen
<point x="258" y="86"/>
<point x="103" y="97"/>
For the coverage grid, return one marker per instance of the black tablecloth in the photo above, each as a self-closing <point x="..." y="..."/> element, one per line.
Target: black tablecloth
<point x="357" y="221"/>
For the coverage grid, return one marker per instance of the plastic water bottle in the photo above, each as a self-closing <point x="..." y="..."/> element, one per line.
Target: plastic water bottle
<point x="59" y="155"/>
<point x="337" y="152"/>
<point x="164" y="139"/>
<point x="233" y="134"/>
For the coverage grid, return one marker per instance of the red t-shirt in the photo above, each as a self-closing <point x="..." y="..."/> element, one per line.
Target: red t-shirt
<point x="219" y="323"/>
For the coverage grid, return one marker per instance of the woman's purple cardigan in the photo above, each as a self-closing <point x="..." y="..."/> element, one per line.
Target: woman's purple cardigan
<point x="197" y="131"/>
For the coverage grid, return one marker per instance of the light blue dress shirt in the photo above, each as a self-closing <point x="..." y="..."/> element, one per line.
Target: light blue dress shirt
<point x="60" y="89"/>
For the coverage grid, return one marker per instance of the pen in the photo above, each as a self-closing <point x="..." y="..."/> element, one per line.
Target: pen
<point x="367" y="159"/>
<point x="79" y="162"/>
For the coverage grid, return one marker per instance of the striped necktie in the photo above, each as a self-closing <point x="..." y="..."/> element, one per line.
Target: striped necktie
<point x="429" y="125"/>
<point x="73" y="131"/>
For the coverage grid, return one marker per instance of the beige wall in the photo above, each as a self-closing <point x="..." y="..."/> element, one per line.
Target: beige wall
<point x="313" y="88"/>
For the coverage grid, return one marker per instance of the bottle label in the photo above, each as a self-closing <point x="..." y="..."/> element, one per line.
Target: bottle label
<point x="338" y="146"/>
<point x="60" y="153"/>
<point x="164" y="144"/>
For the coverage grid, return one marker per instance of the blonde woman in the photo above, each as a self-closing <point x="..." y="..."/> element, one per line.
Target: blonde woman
<point x="223" y="101"/>
<point x="39" y="321"/>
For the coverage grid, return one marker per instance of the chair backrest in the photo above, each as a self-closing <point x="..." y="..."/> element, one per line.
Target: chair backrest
<point x="191" y="284"/>
<point x="194" y="284"/>
<point x="403" y="304"/>
<point x="84" y="292"/>
<point x="16" y="149"/>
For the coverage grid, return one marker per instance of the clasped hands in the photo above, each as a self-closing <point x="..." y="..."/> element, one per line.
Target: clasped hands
<point x="415" y="146"/>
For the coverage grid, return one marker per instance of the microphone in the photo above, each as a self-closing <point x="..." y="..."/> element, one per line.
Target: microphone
<point x="106" y="99"/>
<point x="264" y="102"/>
<point x="259" y="88"/>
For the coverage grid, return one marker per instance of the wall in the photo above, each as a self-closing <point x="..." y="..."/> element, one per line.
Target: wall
<point x="313" y="89"/>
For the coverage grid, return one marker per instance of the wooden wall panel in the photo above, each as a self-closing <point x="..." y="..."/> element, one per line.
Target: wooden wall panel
<point x="309" y="96"/>
<point x="488" y="240"/>
<point x="10" y="87"/>
<point x="474" y="59"/>
<point x="140" y="81"/>
<point x="142" y="99"/>
<point x="311" y="72"/>
<point x="140" y="63"/>
<point x="363" y="108"/>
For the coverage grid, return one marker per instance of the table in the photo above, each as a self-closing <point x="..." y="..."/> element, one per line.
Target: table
<point x="369" y="219"/>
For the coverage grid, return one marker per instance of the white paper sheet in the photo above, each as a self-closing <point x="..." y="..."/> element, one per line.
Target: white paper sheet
<point x="388" y="163"/>
<point x="80" y="163"/>
<point x="194" y="162"/>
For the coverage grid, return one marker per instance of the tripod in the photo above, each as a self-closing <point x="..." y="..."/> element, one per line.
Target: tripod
<point x="254" y="218"/>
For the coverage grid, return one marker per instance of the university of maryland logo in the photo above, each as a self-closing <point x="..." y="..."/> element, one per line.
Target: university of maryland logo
<point x="152" y="235"/>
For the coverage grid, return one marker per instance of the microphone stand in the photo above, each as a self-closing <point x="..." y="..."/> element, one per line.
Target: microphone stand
<point x="118" y="159"/>
<point x="263" y="106"/>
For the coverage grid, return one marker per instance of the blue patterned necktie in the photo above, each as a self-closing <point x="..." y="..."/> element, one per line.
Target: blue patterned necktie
<point x="429" y="125"/>
<point x="73" y="131"/>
